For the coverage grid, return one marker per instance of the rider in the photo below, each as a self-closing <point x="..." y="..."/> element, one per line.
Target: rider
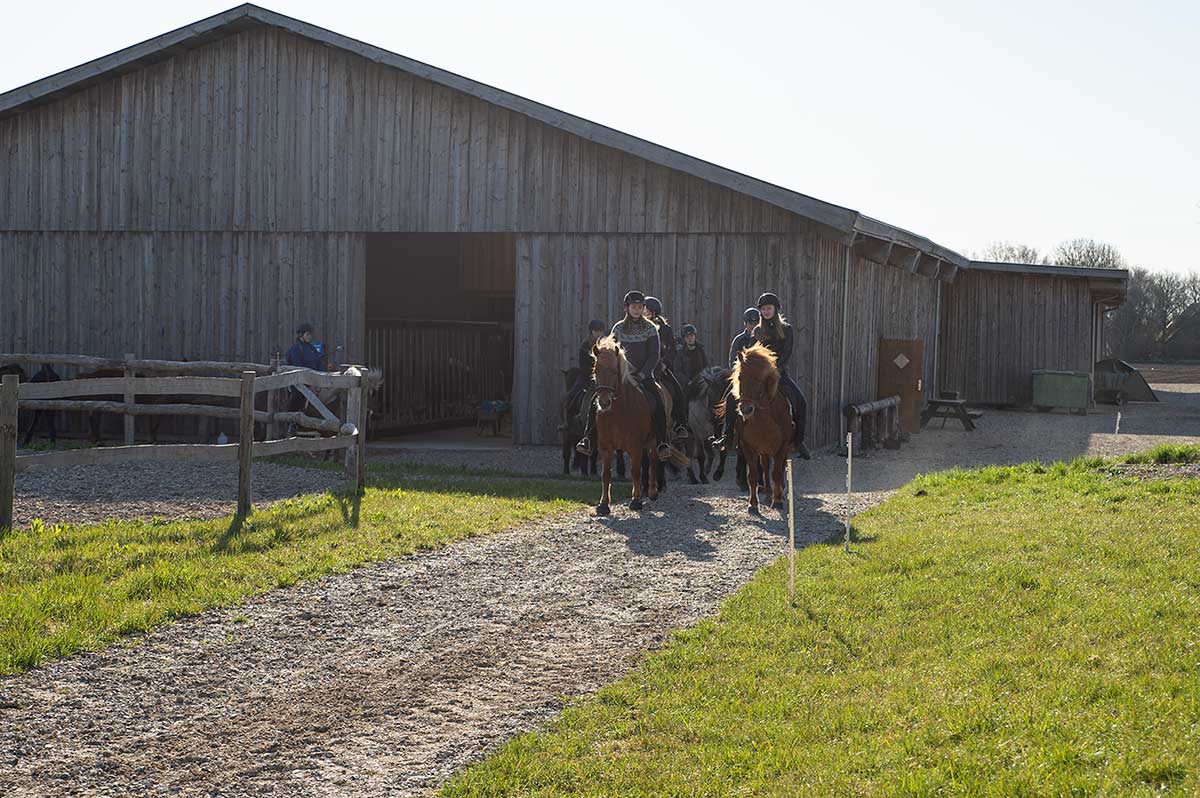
<point x="692" y="359"/>
<point x="595" y="331"/>
<point x="639" y="339"/>
<point x="773" y="332"/>
<point x="744" y="339"/>
<point x="666" y="365"/>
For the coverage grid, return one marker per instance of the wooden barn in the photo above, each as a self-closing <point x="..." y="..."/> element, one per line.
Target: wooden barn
<point x="199" y="194"/>
<point x="1000" y="321"/>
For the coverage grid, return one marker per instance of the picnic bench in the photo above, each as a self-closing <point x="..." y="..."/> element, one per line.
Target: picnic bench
<point x="948" y="406"/>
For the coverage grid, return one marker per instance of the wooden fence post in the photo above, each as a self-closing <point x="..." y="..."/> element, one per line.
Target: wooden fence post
<point x="273" y="403"/>
<point x="245" y="444"/>
<point x="129" y="420"/>
<point x="355" y="415"/>
<point x="8" y="448"/>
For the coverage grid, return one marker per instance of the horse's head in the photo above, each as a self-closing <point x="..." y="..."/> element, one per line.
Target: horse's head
<point x="755" y="380"/>
<point x="610" y="370"/>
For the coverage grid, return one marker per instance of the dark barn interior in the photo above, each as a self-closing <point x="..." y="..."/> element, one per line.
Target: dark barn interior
<point x="433" y="299"/>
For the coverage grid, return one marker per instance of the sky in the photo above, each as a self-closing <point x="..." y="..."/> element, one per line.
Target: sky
<point x="966" y="122"/>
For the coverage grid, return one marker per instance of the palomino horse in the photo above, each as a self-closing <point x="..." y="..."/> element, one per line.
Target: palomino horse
<point x="765" y="421"/>
<point x="624" y="421"/>
<point x="704" y="392"/>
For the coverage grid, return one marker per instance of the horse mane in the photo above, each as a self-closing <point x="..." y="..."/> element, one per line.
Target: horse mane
<point x="703" y="379"/>
<point x="755" y="355"/>
<point x="609" y="343"/>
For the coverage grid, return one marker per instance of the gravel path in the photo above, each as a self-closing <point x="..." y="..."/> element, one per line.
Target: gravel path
<point x="386" y="680"/>
<point x="94" y="493"/>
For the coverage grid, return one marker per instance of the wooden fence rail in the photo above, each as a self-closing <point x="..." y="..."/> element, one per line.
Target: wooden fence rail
<point x="348" y="433"/>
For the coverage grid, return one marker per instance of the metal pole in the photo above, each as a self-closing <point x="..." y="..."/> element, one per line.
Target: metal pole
<point x="791" y="535"/>
<point x="1117" y="431"/>
<point x="849" y="472"/>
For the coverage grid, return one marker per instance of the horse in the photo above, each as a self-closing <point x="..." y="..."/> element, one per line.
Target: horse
<point x="624" y="421"/>
<point x="703" y="392"/>
<point x="573" y="413"/>
<point x="764" y="422"/>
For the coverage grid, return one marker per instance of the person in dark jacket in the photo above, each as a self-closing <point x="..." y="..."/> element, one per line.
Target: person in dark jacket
<point x="666" y="365"/>
<point x="692" y="359"/>
<point x="773" y="332"/>
<point x="744" y="339"/>
<point x="308" y="354"/>
<point x="643" y="348"/>
<point x="595" y="331"/>
<point x="45" y="374"/>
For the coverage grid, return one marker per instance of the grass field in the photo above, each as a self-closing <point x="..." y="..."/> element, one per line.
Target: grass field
<point x="1004" y="632"/>
<point x="66" y="588"/>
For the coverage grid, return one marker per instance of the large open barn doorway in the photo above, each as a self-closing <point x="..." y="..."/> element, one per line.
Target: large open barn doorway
<point x="440" y="325"/>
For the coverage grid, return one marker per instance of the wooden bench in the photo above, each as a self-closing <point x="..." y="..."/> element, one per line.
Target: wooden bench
<point x="950" y="408"/>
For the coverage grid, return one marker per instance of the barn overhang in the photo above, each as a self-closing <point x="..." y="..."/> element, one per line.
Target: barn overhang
<point x="1108" y="287"/>
<point x="878" y="241"/>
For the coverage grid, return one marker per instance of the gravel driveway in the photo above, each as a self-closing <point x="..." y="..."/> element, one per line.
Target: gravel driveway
<point x="386" y="680"/>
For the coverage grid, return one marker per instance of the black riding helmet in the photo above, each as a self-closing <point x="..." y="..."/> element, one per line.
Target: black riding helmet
<point x="768" y="299"/>
<point x="304" y="328"/>
<point x="654" y="305"/>
<point x="595" y="324"/>
<point x="635" y="296"/>
<point x="751" y="316"/>
<point x="689" y="329"/>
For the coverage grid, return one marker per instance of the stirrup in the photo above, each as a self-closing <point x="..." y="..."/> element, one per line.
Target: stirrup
<point x="682" y="432"/>
<point x="584" y="447"/>
<point x="722" y="442"/>
<point x="664" y="451"/>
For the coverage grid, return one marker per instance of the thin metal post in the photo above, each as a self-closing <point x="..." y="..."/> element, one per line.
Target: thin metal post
<point x="791" y="535"/>
<point x="849" y="473"/>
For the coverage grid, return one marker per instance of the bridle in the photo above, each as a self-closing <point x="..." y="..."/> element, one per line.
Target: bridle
<point x="608" y="392"/>
<point x="753" y="403"/>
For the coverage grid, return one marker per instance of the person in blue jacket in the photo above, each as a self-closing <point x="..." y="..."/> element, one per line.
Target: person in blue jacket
<point x="744" y="339"/>
<point x="308" y="354"/>
<point x="584" y="377"/>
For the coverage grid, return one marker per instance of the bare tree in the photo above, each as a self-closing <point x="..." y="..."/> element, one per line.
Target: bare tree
<point x="1009" y="252"/>
<point x="1087" y="252"/>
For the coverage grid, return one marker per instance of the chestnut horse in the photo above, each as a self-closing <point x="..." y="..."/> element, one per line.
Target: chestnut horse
<point x="624" y="421"/>
<point x="765" y="421"/>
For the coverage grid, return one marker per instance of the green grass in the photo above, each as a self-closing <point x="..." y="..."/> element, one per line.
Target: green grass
<point x="1167" y="453"/>
<point x="1004" y="632"/>
<point x="67" y="588"/>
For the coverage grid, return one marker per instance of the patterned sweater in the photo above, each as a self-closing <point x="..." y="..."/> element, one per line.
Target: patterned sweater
<point x="639" y="338"/>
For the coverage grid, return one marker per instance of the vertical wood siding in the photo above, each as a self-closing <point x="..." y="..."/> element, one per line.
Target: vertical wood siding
<point x="211" y="296"/>
<point x="997" y="327"/>
<point x="265" y="131"/>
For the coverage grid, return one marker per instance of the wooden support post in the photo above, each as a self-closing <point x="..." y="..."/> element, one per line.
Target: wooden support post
<point x="273" y="403"/>
<point x="8" y="449"/>
<point x="129" y="420"/>
<point x="245" y="444"/>
<point x="356" y="415"/>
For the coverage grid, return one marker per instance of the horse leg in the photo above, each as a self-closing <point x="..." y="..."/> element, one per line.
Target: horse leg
<point x="655" y="475"/>
<point x="605" y="484"/>
<point x="635" y="469"/>
<point x="94" y="427"/>
<point x="704" y="455"/>
<point x="764" y="468"/>
<point x="777" y="473"/>
<point x="752" y="481"/>
<point x="620" y="465"/>
<point x="567" y="451"/>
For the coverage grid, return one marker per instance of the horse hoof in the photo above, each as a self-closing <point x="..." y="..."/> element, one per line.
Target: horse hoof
<point x="654" y="498"/>
<point x="602" y="509"/>
<point x="754" y="510"/>
<point x="777" y="505"/>
<point x="704" y="479"/>
<point x="716" y="477"/>
<point x="692" y="480"/>
<point x="636" y="504"/>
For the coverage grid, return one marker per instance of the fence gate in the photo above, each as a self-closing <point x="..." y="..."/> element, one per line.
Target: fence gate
<point x="435" y="373"/>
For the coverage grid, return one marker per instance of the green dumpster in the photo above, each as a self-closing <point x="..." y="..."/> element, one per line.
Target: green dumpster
<point x="1068" y="389"/>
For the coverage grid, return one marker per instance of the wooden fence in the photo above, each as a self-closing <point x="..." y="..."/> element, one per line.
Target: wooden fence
<point x="438" y="372"/>
<point x="348" y="433"/>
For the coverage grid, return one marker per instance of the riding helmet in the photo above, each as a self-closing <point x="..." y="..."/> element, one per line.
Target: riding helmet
<point x="634" y="296"/>
<point x="689" y="329"/>
<point x="304" y="328"/>
<point x="654" y="305"/>
<point x="768" y="299"/>
<point x="751" y="316"/>
<point x="595" y="324"/>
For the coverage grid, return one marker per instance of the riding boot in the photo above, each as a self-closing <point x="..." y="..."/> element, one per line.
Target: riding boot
<point x="725" y="442"/>
<point x="799" y="414"/>
<point x="679" y="408"/>
<point x="584" y="447"/>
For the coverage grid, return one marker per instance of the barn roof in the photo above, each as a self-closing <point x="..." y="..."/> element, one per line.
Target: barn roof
<point x="873" y="239"/>
<point x="1108" y="285"/>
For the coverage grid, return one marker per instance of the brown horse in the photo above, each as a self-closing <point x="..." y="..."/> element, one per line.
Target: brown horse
<point x="765" y="421"/>
<point x="625" y="422"/>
